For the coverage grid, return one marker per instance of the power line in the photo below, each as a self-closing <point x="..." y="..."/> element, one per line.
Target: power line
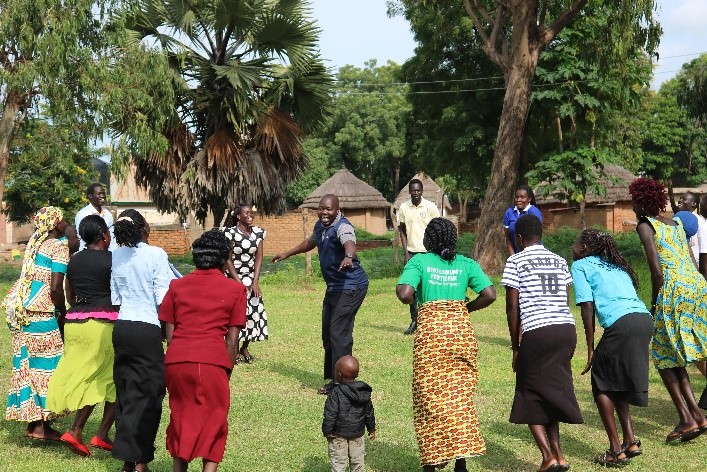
<point x="476" y="79"/>
<point x="488" y="89"/>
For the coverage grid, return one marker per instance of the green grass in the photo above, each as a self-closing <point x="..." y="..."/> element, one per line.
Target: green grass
<point x="275" y="419"/>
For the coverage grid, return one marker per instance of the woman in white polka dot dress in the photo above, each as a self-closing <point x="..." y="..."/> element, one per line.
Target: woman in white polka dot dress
<point x="247" y="243"/>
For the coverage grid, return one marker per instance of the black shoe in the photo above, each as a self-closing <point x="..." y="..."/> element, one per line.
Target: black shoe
<point x="703" y="400"/>
<point x="411" y="329"/>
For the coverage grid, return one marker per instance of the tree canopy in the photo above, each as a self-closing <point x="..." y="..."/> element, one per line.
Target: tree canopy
<point x="53" y="65"/>
<point x="47" y="167"/>
<point x="247" y="82"/>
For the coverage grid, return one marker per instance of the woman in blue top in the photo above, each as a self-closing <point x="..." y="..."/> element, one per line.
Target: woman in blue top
<point x="524" y="199"/>
<point x="606" y="284"/>
<point x="140" y="277"/>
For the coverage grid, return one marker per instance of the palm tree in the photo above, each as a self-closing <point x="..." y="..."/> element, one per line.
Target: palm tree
<point x="248" y="83"/>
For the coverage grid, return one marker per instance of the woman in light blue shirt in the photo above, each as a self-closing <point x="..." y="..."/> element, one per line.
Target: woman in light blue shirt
<point x="139" y="281"/>
<point x="604" y="282"/>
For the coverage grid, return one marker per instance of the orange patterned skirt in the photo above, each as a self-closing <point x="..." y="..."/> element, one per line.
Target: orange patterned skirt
<point x="444" y="382"/>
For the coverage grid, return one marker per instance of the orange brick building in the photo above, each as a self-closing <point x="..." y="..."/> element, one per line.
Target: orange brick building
<point x="613" y="212"/>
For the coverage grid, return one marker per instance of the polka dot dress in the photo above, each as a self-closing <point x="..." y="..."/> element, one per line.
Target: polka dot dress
<point x="244" y="248"/>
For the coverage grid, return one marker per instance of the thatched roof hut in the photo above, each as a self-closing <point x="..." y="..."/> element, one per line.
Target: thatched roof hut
<point x="616" y="185"/>
<point x="430" y="191"/>
<point x="362" y="204"/>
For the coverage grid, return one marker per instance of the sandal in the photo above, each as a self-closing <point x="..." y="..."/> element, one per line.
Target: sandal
<point x="610" y="458"/>
<point x="683" y="436"/>
<point x="625" y="448"/>
<point x="247" y="358"/>
<point x="238" y="361"/>
<point x="556" y="467"/>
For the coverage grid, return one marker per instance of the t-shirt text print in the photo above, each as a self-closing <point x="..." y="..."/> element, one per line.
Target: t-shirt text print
<point x="541" y="278"/>
<point x="445" y="277"/>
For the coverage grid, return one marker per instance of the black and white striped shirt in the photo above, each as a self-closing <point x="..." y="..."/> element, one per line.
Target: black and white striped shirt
<point x="541" y="278"/>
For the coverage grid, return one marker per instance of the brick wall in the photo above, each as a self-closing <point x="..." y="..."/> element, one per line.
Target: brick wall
<point x="287" y="230"/>
<point x="173" y="239"/>
<point x="618" y="217"/>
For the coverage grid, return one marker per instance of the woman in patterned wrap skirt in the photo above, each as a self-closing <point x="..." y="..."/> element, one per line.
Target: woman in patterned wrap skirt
<point x="445" y="349"/>
<point x="30" y="306"/>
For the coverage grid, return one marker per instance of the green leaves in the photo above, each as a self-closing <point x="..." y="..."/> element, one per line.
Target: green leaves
<point x="247" y="81"/>
<point x="571" y="175"/>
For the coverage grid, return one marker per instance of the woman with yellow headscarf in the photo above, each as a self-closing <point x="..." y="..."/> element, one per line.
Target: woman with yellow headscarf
<point x="32" y="307"/>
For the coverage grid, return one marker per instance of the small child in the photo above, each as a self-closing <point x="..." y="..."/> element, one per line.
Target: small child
<point x="348" y="412"/>
<point x="606" y="284"/>
<point x="537" y="282"/>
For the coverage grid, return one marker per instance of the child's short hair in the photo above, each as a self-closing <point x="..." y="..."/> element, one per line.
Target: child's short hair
<point x="529" y="227"/>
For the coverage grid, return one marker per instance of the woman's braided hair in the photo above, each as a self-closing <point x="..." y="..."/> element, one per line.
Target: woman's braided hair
<point x="92" y="228"/>
<point x="602" y="245"/>
<point x="128" y="228"/>
<point x="442" y="238"/>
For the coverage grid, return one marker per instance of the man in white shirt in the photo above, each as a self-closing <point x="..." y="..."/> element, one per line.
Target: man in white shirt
<point x="96" y="194"/>
<point x="690" y="201"/>
<point x="413" y="217"/>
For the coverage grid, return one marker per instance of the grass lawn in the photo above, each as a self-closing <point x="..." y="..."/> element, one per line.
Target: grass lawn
<point x="275" y="418"/>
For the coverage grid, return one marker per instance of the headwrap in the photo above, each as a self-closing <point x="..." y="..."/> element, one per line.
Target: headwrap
<point x="45" y="221"/>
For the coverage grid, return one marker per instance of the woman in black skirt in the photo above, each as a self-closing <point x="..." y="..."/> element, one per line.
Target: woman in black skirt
<point x="604" y="282"/>
<point x="139" y="281"/>
<point x="537" y="285"/>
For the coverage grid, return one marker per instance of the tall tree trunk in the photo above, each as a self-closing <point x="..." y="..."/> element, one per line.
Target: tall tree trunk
<point x="560" y="138"/>
<point x="582" y="215"/>
<point x="8" y="121"/>
<point x="489" y="249"/>
<point x="218" y="209"/>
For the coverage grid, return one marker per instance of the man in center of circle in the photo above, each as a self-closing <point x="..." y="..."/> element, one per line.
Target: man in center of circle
<point x="346" y="281"/>
<point x="413" y="217"/>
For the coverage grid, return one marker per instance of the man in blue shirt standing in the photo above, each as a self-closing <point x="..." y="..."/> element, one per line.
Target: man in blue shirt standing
<point x="347" y="282"/>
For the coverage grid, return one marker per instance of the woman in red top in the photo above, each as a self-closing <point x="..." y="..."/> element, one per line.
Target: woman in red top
<point x="199" y="310"/>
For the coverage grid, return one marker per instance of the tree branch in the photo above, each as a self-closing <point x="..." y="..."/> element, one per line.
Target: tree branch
<point x="543" y="13"/>
<point x="475" y="19"/>
<point x="563" y="20"/>
<point x="490" y="46"/>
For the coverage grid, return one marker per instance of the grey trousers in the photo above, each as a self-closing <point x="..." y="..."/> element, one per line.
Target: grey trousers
<point x="343" y="452"/>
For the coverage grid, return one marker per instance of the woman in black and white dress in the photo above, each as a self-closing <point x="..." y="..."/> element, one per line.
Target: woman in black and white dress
<point x="247" y="244"/>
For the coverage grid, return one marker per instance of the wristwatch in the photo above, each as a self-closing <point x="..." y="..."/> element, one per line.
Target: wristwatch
<point x="349" y="255"/>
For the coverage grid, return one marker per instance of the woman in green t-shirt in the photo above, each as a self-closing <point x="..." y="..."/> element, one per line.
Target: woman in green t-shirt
<point x="445" y="348"/>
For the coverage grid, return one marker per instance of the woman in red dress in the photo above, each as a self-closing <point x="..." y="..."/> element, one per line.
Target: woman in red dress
<point x="199" y="311"/>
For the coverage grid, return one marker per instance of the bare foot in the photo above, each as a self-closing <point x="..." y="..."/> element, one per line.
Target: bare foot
<point x="41" y="430"/>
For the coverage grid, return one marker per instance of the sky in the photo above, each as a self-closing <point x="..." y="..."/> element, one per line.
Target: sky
<point x="354" y="32"/>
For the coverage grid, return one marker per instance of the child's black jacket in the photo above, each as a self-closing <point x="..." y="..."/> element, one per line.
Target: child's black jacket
<point x="348" y="410"/>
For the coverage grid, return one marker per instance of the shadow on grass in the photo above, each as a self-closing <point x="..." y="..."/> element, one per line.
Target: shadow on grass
<point x="307" y="378"/>
<point x="498" y="341"/>
<point x="315" y="464"/>
<point x="382" y="455"/>
<point x="500" y="453"/>
<point x="388" y="328"/>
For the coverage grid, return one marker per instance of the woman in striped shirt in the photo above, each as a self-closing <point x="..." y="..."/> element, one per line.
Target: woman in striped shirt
<point x="537" y="283"/>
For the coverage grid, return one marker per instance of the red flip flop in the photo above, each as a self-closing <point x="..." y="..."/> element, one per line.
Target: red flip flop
<point x="75" y="446"/>
<point x="101" y="444"/>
